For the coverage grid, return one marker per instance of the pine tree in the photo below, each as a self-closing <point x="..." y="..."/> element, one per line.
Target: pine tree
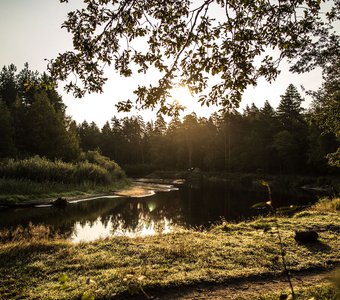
<point x="8" y="89"/>
<point x="45" y="131"/>
<point x="160" y="125"/>
<point x="291" y="142"/>
<point x="6" y="131"/>
<point x="289" y="110"/>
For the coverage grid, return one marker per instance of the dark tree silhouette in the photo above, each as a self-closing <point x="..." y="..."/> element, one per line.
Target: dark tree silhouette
<point x="33" y="116"/>
<point x="190" y="42"/>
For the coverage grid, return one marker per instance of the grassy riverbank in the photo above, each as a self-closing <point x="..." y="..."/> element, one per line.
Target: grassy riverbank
<point x="38" y="178"/>
<point x="14" y="191"/>
<point x="36" y="267"/>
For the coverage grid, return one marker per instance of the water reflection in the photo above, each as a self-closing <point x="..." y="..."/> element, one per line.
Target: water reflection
<point x="90" y="231"/>
<point x="159" y="213"/>
<point x="115" y="226"/>
<point x="99" y="230"/>
<point x="101" y="218"/>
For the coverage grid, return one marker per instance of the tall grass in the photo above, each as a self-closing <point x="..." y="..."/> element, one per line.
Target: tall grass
<point x="100" y="170"/>
<point x="327" y="205"/>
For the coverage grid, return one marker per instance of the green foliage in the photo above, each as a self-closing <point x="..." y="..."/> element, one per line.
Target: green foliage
<point x="45" y="132"/>
<point x="255" y="141"/>
<point x="333" y="158"/>
<point x="33" y="120"/>
<point x="289" y="109"/>
<point x="291" y="142"/>
<point x="326" y="108"/>
<point x="89" y="136"/>
<point x="94" y="157"/>
<point x="6" y="131"/>
<point x="186" y="41"/>
<point x="43" y="170"/>
<point x="320" y="147"/>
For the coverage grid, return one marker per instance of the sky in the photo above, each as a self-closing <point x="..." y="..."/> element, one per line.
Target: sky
<point x="31" y="32"/>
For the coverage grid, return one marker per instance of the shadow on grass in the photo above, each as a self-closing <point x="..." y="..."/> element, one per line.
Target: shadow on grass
<point x="317" y="247"/>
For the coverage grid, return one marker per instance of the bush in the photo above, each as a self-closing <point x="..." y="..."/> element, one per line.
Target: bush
<point x="99" y="170"/>
<point x="94" y="157"/>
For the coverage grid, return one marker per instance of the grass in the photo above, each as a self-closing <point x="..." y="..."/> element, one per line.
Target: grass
<point x="23" y="190"/>
<point x="38" y="178"/>
<point x="325" y="205"/>
<point x="319" y="292"/>
<point x="31" y="266"/>
<point x="99" y="170"/>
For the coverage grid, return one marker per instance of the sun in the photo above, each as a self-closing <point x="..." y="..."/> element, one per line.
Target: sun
<point x="181" y="94"/>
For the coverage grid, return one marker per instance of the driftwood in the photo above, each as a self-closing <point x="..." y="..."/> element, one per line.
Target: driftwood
<point x="309" y="236"/>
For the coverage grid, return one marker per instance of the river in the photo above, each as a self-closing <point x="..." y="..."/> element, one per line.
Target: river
<point x="180" y="206"/>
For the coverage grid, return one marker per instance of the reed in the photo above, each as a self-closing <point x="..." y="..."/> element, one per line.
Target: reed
<point x="100" y="170"/>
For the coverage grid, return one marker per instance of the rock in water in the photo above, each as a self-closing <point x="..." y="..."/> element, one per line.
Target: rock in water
<point x="60" y="202"/>
<point x="309" y="236"/>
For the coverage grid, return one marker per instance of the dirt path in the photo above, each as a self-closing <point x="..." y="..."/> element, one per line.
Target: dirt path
<point x="245" y="288"/>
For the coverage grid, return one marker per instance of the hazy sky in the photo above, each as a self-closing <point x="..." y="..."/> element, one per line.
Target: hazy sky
<point x="30" y="32"/>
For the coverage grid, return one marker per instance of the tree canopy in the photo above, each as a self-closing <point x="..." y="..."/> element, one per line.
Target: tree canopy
<point x="326" y="107"/>
<point x="32" y="117"/>
<point x="217" y="48"/>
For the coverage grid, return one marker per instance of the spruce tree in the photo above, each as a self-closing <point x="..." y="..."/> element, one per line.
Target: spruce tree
<point x="289" y="110"/>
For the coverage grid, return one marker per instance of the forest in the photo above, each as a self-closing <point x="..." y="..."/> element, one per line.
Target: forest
<point x="283" y="140"/>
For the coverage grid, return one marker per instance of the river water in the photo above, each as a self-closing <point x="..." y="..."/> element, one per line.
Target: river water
<point x="181" y="206"/>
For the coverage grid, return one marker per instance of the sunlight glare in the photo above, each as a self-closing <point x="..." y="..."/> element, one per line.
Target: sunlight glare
<point x="181" y="94"/>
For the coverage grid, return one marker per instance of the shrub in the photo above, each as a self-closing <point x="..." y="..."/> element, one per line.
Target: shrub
<point x="111" y="166"/>
<point x="100" y="170"/>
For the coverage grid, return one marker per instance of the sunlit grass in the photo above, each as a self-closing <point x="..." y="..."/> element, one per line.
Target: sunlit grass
<point x="30" y="267"/>
<point x="325" y="291"/>
<point x="327" y="205"/>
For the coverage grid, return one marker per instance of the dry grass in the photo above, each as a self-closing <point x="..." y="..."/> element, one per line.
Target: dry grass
<point x="325" y="205"/>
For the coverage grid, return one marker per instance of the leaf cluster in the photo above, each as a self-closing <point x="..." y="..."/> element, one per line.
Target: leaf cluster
<point x="196" y="43"/>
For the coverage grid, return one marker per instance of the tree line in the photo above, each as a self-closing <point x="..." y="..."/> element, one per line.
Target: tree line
<point x="32" y="117"/>
<point x="283" y="140"/>
<point x="287" y="139"/>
